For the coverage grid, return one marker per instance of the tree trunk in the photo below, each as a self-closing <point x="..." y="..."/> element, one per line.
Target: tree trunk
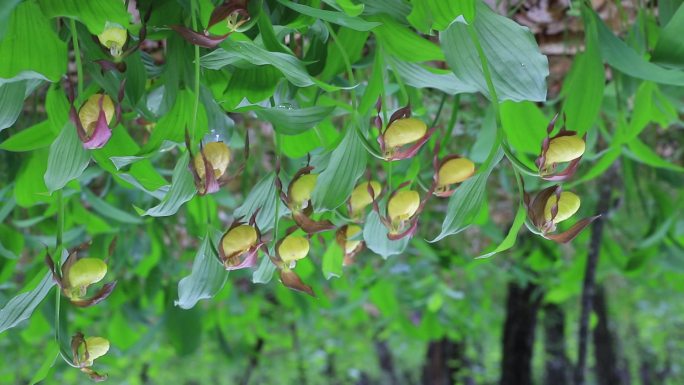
<point x="607" y="361"/>
<point x="518" y="338"/>
<point x="558" y="370"/>
<point x="445" y="359"/>
<point x="386" y="362"/>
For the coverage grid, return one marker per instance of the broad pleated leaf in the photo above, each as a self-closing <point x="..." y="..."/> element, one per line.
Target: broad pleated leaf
<point x="420" y="76"/>
<point x="466" y="202"/>
<point x="375" y="236"/>
<point x="340" y="18"/>
<point x="182" y="190"/>
<point x="293" y="121"/>
<point x="34" y="48"/>
<point x="207" y="277"/>
<point x="67" y="159"/>
<point x="262" y="198"/>
<point x="12" y="96"/>
<point x="509" y="240"/>
<point x="93" y="13"/>
<point x="332" y="261"/>
<point x="517" y="67"/>
<point x="346" y="165"/>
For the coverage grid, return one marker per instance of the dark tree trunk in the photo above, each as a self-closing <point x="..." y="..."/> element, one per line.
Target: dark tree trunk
<point x="607" y="361"/>
<point x="445" y="359"/>
<point x="386" y="361"/>
<point x="558" y="370"/>
<point x="518" y="338"/>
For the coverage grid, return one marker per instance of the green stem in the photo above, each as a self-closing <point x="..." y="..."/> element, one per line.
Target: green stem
<point x="452" y="119"/>
<point x="193" y="8"/>
<point x="492" y="94"/>
<point x="439" y="110"/>
<point x="77" y="55"/>
<point x="58" y="261"/>
<point x="347" y="62"/>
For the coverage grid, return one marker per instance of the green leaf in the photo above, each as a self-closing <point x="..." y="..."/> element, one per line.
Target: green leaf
<point x="670" y="47"/>
<point x="5" y="13"/>
<point x="290" y="66"/>
<point x="584" y="86"/>
<point x="293" y="121"/>
<point x="465" y="204"/>
<point x="347" y="163"/>
<point x="638" y="150"/>
<point x="517" y="67"/>
<point x="525" y="127"/>
<point x="262" y="198"/>
<point x="347" y="6"/>
<point x="93" y="13"/>
<point x="207" y="277"/>
<point x="650" y="105"/>
<point x="29" y="187"/>
<point x="172" y="125"/>
<point x="42" y="54"/>
<point x="353" y="43"/>
<point x="509" y="240"/>
<point x="340" y="18"/>
<point x="332" y="261"/>
<point x="51" y="353"/>
<point x="22" y="306"/>
<point x="11" y="242"/>
<point x="264" y="273"/>
<point x="37" y="136"/>
<point x="404" y="43"/>
<point x="421" y="76"/>
<point x="107" y="210"/>
<point x="67" y="159"/>
<point x="254" y="84"/>
<point x="438" y="14"/>
<point x="12" y="96"/>
<point x="182" y="190"/>
<point x="375" y="236"/>
<point x="625" y="59"/>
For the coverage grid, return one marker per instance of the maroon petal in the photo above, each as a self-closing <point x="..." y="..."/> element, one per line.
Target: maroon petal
<point x="224" y="10"/>
<point x="100" y="296"/>
<point x="572" y="232"/>
<point x="249" y="259"/>
<point x="199" y="39"/>
<point x="538" y="205"/>
<point x="407" y="233"/>
<point x="102" y="132"/>
<point x="402" y="113"/>
<point x="311" y="226"/>
<point x="291" y="280"/>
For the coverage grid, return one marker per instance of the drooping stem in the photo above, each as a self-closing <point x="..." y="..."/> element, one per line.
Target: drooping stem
<point x="77" y="55"/>
<point x="492" y="95"/>
<point x="193" y="18"/>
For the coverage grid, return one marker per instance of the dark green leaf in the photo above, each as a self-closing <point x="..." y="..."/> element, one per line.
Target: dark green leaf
<point x="342" y="19"/>
<point x="293" y="121"/>
<point x="12" y="96"/>
<point x="67" y="159"/>
<point x="517" y="67"/>
<point x="182" y="190"/>
<point x="32" y="138"/>
<point x="93" y="13"/>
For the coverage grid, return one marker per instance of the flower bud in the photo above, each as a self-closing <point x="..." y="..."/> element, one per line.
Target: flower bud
<point x="455" y="170"/>
<point x="350" y="244"/>
<point x="83" y="273"/>
<point x="301" y="189"/>
<point x="404" y="131"/>
<point x="238" y="240"/>
<point x="567" y="206"/>
<point x="217" y="154"/>
<point x="96" y="347"/>
<point x="403" y="205"/>
<point x="361" y="198"/>
<point x="293" y="248"/>
<point x="113" y="37"/>
<point x="564" y="149"/>
<point x="90" y="112"/>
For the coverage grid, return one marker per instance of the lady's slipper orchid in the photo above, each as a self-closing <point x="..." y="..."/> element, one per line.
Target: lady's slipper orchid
<point x="287" y="252"/>
<point x="452" y="170"/>
<point x="363" y="195"/>
<point x="240" y="245"/>
<point x="85" y="351"/>
<point x="298" y="199"/>
<point x="114" y="38"/>
<point x="403" y="209"/>
<point x="552" y="206"/>
<point x="235" y="14"/>
<point x="94" y="119"/>
<point x="564" y="147"/>
<point x="209" y="166"/>
<point x="345" y="237"/>
<point x="403" y="136"/>
<point x="77" y="275"/>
